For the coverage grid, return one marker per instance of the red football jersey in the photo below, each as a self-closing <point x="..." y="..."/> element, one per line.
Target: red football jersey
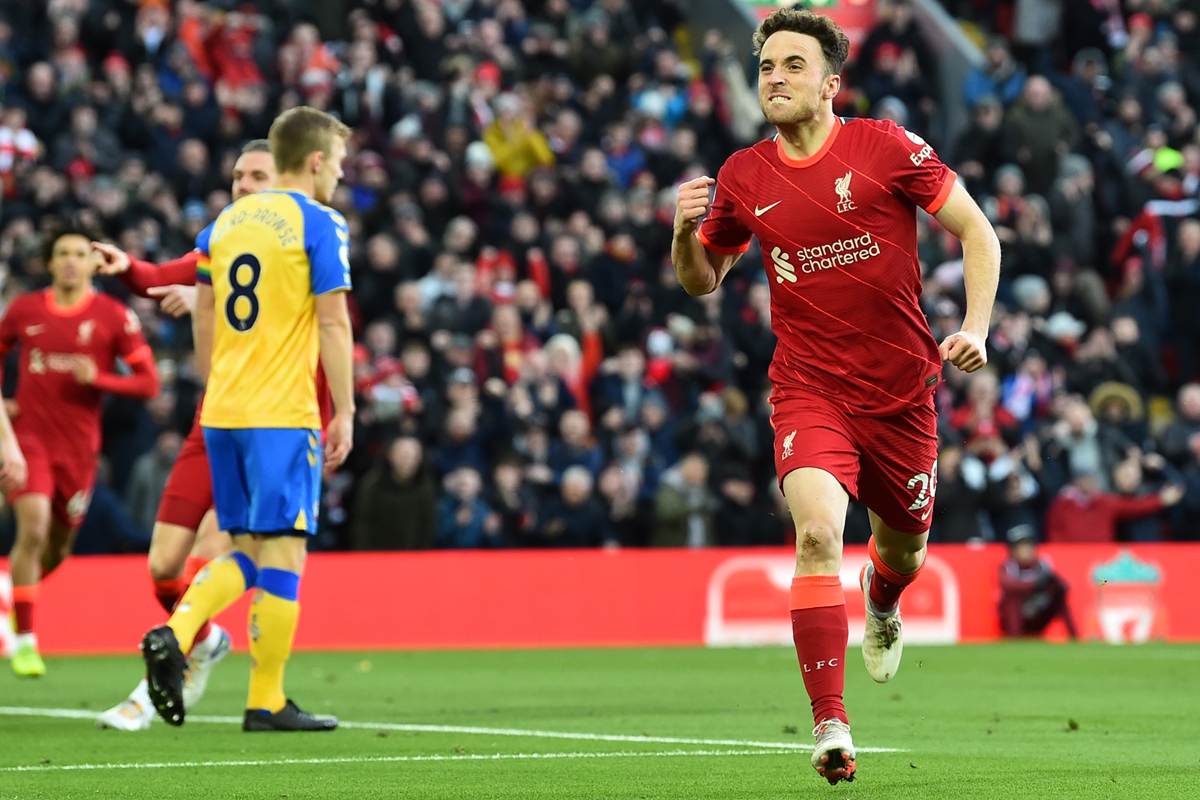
<point x="62" y="413"/>
<point x="839" y="240"/>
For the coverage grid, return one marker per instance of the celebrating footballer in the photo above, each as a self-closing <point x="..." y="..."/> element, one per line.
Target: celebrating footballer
<point x="833" y="203"/>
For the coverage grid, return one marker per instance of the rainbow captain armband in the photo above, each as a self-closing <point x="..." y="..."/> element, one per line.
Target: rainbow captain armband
<point x="204" y="270"/>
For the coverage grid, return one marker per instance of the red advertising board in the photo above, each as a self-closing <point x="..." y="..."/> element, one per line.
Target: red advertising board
<point x="719" y="597"/>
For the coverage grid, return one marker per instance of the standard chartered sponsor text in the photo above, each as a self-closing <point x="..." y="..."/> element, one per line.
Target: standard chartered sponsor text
<point x="841" y="253"/>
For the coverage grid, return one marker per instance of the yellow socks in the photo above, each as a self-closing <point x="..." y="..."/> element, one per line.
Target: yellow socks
<point x="214" y="589"/>
<point x="273" y="617"/>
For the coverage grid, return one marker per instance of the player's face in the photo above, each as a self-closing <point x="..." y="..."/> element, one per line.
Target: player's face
<point x="327" y="177"/>
<point x="792" y="83"/>
<point x="252" y="173"/>
<point x="71" y="261"/>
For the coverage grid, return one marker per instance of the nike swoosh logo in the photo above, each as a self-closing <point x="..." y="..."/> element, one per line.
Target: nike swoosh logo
<point x="925" y="516"/>
<point x="758" y="212"/>
<point x="34" y="330"/>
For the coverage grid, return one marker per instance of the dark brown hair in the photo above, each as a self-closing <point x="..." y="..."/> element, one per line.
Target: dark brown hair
<point x="60" y="228"/>
<point x="298" y="133"/>
<point x="834" y="44"/>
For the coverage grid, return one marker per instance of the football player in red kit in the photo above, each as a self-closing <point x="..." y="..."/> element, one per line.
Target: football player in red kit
<point x="833" y="203"/>
<point x="71" y="337"/>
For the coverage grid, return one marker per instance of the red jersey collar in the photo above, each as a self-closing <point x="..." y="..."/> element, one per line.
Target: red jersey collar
<point x="69" y="311"/>
<point x="800" y="163"/>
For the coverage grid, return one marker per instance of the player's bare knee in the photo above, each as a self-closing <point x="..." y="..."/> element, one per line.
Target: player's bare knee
<point x="901" y="551"/>
<point x="817" y="541"/>
<point x="33" y="533"/>
<point x="164" y="566"/>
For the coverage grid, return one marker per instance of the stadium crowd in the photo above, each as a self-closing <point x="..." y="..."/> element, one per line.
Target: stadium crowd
<point x="529" y="372"/>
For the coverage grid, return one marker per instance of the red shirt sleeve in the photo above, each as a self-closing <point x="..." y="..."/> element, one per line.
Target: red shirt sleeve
<point x="143" y="275"/>
<point x="721" y="231"/>
<point x="916" y="171"/>
<point x="131" y="346"/>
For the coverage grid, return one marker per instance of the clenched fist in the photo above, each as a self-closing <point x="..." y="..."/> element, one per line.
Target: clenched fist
<point x="692" y="204"/>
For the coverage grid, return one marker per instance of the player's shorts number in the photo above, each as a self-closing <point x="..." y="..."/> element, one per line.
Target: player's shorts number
<point x="243" y="291"/>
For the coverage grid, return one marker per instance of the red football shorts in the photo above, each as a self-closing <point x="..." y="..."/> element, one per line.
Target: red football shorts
<point x="188" y="494"/>
<point x="887" y="463"/>
<point x="68" y="484"/>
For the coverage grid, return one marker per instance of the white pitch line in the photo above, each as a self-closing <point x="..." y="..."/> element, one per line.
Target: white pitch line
<point x="68" y="713"/>
<point x="390" y="760"/>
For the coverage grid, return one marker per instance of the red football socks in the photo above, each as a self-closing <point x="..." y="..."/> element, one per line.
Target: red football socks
<point x="24" y="599"/>
<point x="886" y="583"/>
<point x="194" y="564"/>
<point x="820" y="630"/>
<point x="168" y="592"/>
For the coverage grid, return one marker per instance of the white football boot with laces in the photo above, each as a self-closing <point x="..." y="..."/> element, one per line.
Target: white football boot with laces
<point x="883" y="639"/>
<point x="833" y="756"/>
<point x="134" y="713"/>
<point x="204" y="657"/>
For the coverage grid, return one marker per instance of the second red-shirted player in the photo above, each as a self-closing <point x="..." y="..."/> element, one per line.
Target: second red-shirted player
<point x="70" y="338"/>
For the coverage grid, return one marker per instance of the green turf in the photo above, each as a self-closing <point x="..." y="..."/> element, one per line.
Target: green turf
<point x="1004" y="721"/>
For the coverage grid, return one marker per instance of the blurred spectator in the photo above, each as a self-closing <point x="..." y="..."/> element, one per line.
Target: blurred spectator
<point x="463" y="518"/>
<point x="1000" y="76"/>
<point x="740" y="520"/>
<point x="986" y="426"/>
<point x="518" y="147"/>
<point x="1039" y="131"/>
<point x="575" y="517"/>
<point x="396" y="501"/>
<point x="515" y="503"/>
<point x="980" y="147"/>
<point x="149" y="478"/>
<point x="1032" y="595"/>
<point x="1082" y="512"/>
<point x="684" y="505"/>
<point x="1179" y="440"/>
<point x="575" y="447"/>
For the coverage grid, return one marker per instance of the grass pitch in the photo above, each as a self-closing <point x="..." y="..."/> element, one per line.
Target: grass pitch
<point x="1007" y="721"/>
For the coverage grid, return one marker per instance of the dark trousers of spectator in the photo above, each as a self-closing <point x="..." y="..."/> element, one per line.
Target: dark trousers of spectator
<point x="1029" y="613"/>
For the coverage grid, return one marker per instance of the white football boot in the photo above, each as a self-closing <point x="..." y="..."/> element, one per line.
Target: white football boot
<point x="204" y="656"/>
<point x="883" y="639"/>
<point x="833" y="756"/>
<point x="132" y="714"/>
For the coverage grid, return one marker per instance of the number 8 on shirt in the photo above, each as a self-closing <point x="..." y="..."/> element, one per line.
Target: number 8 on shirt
<point x="267" y="258"/>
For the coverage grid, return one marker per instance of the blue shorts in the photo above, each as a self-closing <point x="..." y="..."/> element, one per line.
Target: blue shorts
<point x="265" y="480"/>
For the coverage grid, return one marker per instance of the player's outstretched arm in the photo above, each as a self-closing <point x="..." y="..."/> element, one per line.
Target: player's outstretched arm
<point x="700" y="271"/>
<point x="203" y="319"/>
<point x="13" y="470"/>
<point x="337" y="357"/>
<point x="141" y="276"/>
<point x="981" y="272"/>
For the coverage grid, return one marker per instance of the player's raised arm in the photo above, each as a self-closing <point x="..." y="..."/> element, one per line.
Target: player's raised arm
<point x="139" y="276"/>
<point x="981" y="272"/>
<point x="699" y="267"/>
